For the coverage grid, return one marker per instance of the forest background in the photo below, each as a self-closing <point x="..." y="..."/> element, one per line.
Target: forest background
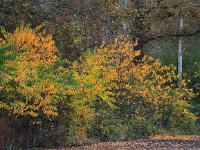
<point x="83" y="71"/>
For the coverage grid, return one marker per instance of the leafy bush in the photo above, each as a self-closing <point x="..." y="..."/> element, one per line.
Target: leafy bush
<point x="146" y="94"/>
<point x="108" y="94"/>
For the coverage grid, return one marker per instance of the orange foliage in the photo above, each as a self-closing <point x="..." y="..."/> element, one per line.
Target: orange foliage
<point x="35" y="52"/>
<point x="147" y="83"/>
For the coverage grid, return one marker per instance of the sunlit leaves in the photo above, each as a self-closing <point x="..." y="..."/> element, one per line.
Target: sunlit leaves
<point x="145" y="83"/>
<point x="111" y="81"/>
<point x="29" y="85"/>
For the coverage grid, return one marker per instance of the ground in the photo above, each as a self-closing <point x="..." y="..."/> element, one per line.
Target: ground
<point x="152" y="143"/>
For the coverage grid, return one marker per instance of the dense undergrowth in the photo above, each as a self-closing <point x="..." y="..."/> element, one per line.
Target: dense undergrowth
<point x="108" y="94"/>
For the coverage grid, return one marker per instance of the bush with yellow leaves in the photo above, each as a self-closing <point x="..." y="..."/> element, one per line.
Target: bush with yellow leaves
<point x="29" y="86"/>
<point x="108" y="94"/>
<point x="38" y="89"/>
<point x="146" y="94"/>
<point x="33" y="83"/>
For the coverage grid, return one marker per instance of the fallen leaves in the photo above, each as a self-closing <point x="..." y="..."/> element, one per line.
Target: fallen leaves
<point x="154" y="143"/>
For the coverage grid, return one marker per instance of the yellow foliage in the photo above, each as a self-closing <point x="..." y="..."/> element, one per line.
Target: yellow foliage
<point x="33" y="50"/>
<point x="35" y="46"/>
<point x="149" y="82"/>
<point x="108" y="75"/>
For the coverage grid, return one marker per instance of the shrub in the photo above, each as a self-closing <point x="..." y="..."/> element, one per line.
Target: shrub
<point x="146" y="94"/>
<point x="108" y="94"/>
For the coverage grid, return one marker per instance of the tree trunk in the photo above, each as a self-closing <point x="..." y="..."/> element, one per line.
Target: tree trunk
<point x="180" y="61"/>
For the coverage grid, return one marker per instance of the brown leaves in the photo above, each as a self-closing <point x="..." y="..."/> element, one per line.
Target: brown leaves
<point x="164" y="142"/>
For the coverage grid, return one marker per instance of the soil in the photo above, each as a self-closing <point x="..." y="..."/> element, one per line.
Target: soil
<point x="152" y="143"/>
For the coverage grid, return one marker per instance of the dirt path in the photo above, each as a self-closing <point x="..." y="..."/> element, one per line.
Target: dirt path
<point x="155" y="143"/>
